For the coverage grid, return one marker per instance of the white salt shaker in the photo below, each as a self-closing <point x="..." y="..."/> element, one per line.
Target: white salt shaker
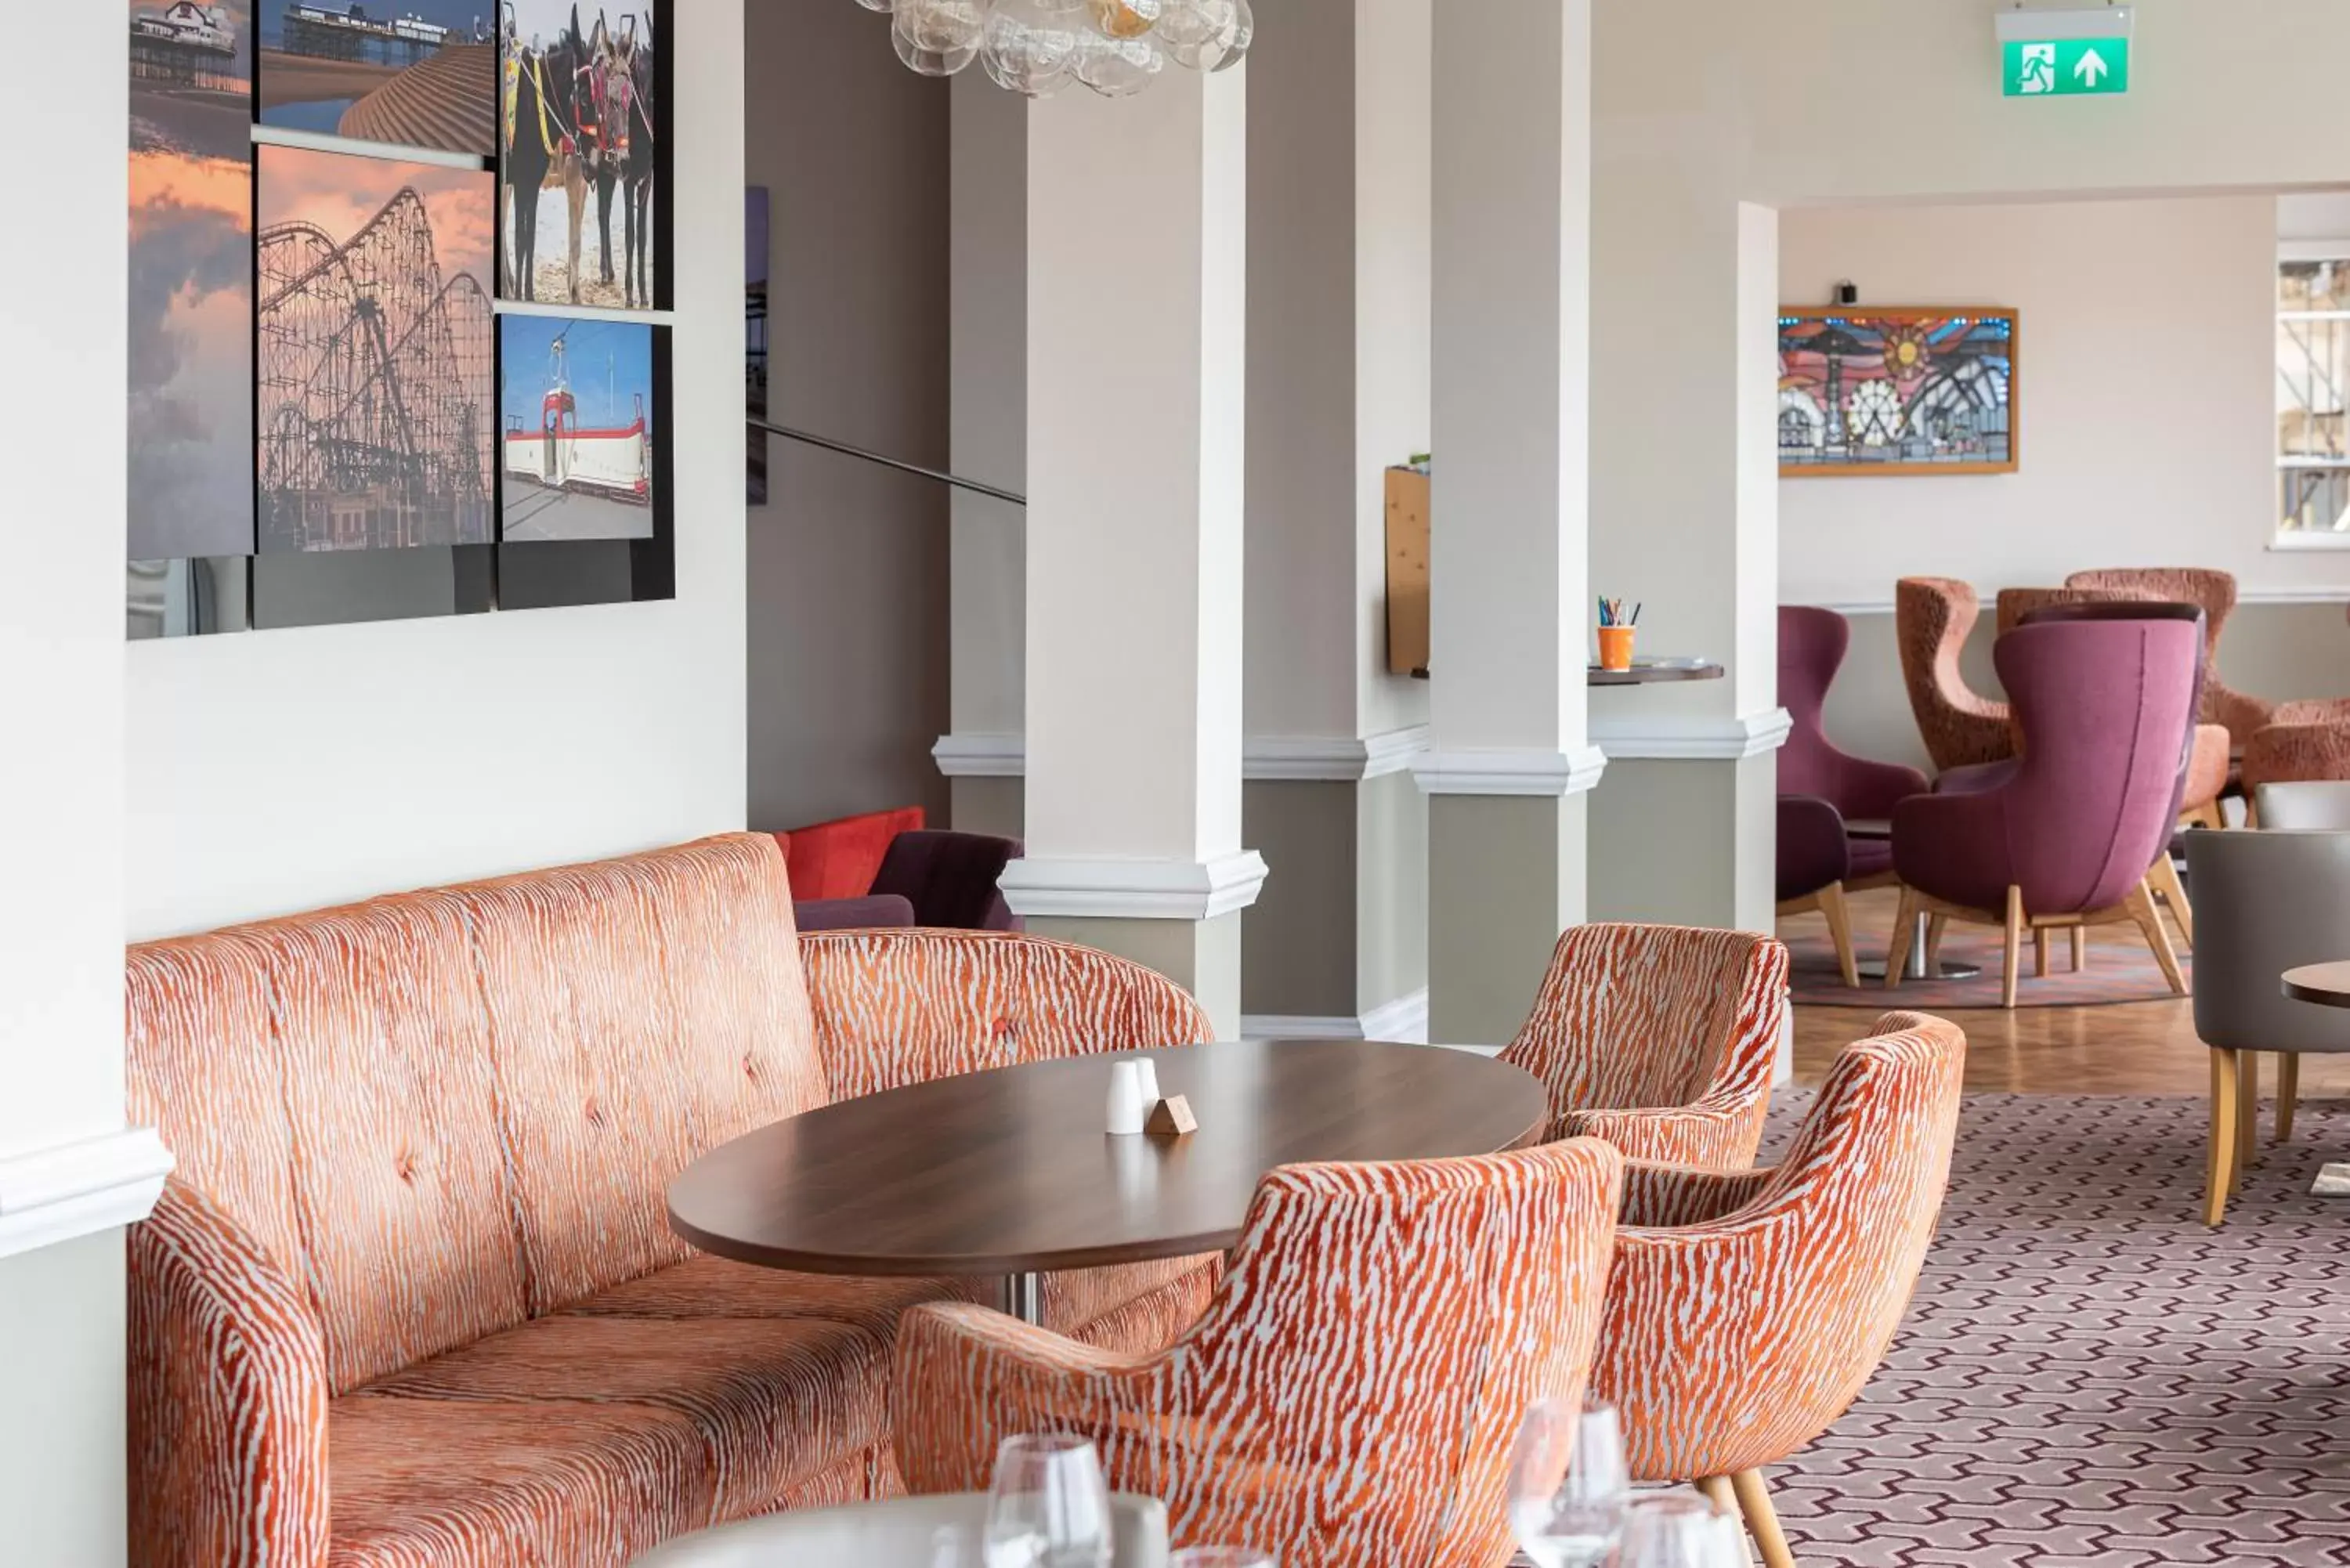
<point x="1127" y="1108"/>
<point x="1151" y="1094"/>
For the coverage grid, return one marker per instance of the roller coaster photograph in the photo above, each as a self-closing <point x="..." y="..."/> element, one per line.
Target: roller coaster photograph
<point x="377" y="415"/>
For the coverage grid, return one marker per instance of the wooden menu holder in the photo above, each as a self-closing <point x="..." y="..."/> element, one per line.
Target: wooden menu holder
<point x="1172" y="1117"/>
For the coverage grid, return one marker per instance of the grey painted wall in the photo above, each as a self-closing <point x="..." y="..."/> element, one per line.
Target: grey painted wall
<point x="1297" y="940"/>
<point x="62" y="1391"/>
<point x="848" y="569"/>
<point x="2270" y="651"/>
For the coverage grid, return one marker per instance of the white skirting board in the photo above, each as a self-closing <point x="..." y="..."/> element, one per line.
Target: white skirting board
<point x="53" y="1195"/>
<point x="1404" y="1020"/>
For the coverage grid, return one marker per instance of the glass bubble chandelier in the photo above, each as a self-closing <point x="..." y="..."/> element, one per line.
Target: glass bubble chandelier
<point x="1116" y="47"/>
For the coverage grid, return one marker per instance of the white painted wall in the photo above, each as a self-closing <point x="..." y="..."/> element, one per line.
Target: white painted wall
<point x="277" y="771"/>
<point x="61" y="663"/>
<point x="2147" y="380"/>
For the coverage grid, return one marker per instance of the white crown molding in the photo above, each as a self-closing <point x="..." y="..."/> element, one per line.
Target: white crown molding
<point x="1334" y="760"/>
<point x="1693" y="740"/>
<point x="1105" y="889"/>
<point x="1403" y="1021"/>
<point x="982" y="756"/>
<point x="53" y="1195"/>
<point x="1506" y="771"/>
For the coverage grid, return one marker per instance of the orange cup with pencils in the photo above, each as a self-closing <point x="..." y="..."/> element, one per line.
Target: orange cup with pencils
<point x="1617" y="631"/>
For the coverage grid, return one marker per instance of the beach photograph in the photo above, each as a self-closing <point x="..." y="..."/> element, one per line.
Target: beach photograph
<point x="579" y="425"/>
<point x="423" y="74"/>
<point x="191" y="221"/>
<point x="583" y="145"/>
<point x="377" y="361"/>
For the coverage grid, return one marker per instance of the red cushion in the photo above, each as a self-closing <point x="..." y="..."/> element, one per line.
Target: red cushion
<point x="840" y="859"/>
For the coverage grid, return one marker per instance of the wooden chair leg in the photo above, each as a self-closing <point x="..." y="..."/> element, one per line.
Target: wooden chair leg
<point x="1897" y="952"/>
<point x="2288" y="1092"/>
<point x="1935" y="926"/>
<point x="2140" y="903"/>
<point x="2015" y="946"/>
<point x="1761" y="1519"/>
<point x="1720" y="1491"/>
<point x="2040" y="952"/>
<point x="2079" y="948"/>
<point x="1839" y="918"/>
<point x="2164" y="878"/>
<point x="2247" y="1113"/>
<point x="2219" y="1173"/>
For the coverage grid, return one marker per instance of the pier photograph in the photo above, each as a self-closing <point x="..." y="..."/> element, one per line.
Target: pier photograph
<point x="422" y="75"/>
<point x="579" y="420"/>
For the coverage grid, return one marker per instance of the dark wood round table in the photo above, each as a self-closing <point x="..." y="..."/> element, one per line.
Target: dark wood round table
<point x="1010" y="1172"/>
<point x="2325" y="984"/>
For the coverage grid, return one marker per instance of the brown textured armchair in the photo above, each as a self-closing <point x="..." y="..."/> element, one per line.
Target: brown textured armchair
<point x="1931" y="618"/>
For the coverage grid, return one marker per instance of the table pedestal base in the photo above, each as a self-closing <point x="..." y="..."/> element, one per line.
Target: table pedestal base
<point x="2334" y="1181"/>
<point x="1916" y="967"/>
<point x="1024" y="1298"/>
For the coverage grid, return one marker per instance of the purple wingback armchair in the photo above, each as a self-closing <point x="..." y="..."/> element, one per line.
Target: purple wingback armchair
<point x="1811" y="646"/>
<point x="946" y="881"/>
<point x="1820" y="785"/>
<point x="2067" y="840"/>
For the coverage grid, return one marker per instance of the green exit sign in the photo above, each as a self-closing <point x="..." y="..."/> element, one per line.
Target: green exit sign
<point x="2067" y="68"/>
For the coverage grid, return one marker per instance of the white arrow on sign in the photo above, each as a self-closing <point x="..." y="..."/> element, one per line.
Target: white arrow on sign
<point x="2093" y="69"/>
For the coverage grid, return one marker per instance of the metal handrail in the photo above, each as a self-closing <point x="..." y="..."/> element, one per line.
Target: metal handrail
<point x="900" y="463"/>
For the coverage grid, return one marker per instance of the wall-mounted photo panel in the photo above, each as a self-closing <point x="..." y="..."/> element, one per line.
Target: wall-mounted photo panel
<point x="377" y="409"/>
<point x="580" y="422"/>
<point x="584" y="161"/>
<point x="191" y="368"/>
<point x="756" y="226"/>
<point x="418" y="73"/>
<point x="1880" y="390"/>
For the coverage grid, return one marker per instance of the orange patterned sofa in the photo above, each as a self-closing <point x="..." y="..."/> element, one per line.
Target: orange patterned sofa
<point x="410" y="1298"/>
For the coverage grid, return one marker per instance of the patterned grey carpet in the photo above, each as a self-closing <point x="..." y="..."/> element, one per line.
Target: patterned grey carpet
<point x="2088" y="1378"/>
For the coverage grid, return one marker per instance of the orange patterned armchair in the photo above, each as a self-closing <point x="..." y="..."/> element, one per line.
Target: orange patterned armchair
<point x="411" y="1298"/>
<point x="1351" y="1397"/>
<point x="1660" y="1039"/>
<point x="1745" y="1312"/>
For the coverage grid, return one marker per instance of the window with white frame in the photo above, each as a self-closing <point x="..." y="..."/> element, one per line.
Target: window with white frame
<point x="2314" y="392"/>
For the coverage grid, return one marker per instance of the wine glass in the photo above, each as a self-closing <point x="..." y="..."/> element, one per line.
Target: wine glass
<point x="1220" y="1557"/>
<point x="1569" y="1485"/>
<point x="1049" y="1507"/>
<point x="1681" y="1530"/>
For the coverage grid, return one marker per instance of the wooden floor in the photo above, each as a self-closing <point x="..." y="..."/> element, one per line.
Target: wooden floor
<point x="2140" y="1048"/>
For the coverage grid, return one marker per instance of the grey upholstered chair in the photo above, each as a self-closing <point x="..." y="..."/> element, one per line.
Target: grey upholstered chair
<point x="878" y="1533"/>
<point x="2267" y="902"/>
<point x="2320" y="805"/>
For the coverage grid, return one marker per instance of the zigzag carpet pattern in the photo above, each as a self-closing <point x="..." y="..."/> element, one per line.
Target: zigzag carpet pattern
<point x="2088" y="1378"/>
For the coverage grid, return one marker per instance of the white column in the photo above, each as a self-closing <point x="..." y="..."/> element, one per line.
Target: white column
<point x="1338" y="390"/>
<point x="987" y="253"/>
<point x="1509" y="763"/>
<point x="1137" y="345"/>
<point x="1685" y="490"/>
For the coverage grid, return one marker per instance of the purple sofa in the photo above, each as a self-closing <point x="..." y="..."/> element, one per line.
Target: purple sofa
<point x="2066" y="840"/>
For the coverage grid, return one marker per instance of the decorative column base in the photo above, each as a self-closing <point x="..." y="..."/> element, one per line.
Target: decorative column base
<point x="1506" y="875"/>
<point x="1686" y="831"/>
<point x="1180" y="918"/>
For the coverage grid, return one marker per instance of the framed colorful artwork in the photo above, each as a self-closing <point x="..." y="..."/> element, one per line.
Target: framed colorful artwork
<point x="1897" y="391"/>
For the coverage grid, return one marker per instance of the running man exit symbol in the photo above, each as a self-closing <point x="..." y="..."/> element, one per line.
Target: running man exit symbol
<point x="2039" y="69"/>
<point x="2067" y="68"/>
